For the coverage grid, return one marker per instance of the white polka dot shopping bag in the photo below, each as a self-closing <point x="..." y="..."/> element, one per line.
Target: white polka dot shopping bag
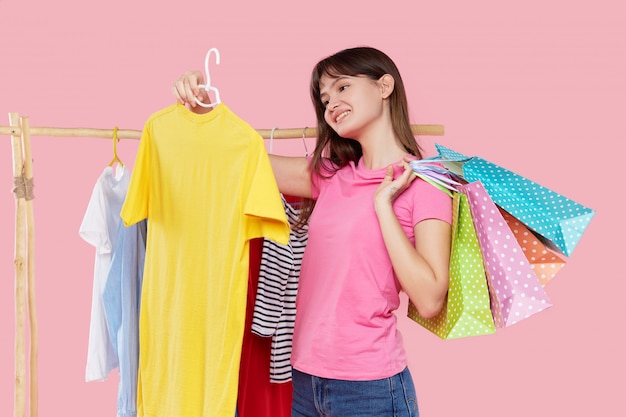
<point x="467" y="310"/>
<point x="545" y="261"/>
<point x="558" y="219"/>
<point x="515" y="290"/>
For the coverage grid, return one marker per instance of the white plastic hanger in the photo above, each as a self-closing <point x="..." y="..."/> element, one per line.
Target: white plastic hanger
<point x="272" y="139"/>
<point x="306" y="150"/>
<point x="208" y="87"/>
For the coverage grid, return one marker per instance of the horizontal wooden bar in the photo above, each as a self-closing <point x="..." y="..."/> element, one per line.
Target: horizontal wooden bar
<point x="291" y="133"/>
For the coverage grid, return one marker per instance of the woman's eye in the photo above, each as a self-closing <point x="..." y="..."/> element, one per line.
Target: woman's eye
<point x="343" y="87"/>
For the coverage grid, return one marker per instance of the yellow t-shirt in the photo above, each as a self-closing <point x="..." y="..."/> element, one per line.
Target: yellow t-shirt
<point x="205" y="185"/>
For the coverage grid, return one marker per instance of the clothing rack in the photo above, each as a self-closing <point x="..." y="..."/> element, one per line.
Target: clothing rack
<point x="20" y="131"/>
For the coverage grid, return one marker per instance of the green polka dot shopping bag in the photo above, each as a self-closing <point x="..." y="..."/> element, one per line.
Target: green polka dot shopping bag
<point x="467" y="310"/>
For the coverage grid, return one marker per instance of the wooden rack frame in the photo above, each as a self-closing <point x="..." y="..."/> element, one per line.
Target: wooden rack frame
<point x="24" y="268"/>
<point x="20" y="132"/>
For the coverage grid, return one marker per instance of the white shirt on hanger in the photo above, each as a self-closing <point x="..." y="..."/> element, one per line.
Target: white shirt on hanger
<point x="99" y="228"/>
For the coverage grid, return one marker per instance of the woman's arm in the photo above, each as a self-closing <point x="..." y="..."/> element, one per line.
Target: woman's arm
<point x="292" y="175"/>
<point x="421" y="269"/>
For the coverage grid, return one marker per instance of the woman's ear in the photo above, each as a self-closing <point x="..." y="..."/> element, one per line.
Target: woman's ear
<point x="387" y="84"/>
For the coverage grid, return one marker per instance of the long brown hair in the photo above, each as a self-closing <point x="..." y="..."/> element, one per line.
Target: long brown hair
<point x="358" y="61"/>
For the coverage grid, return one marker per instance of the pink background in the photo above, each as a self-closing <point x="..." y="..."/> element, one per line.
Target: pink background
<point x="537" y="87"/>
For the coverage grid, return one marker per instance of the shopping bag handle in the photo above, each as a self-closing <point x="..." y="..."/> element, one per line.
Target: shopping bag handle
<point x="431" y="171"/>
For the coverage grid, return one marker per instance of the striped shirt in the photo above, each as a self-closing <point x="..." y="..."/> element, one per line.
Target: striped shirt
<point x="275" y="305"/>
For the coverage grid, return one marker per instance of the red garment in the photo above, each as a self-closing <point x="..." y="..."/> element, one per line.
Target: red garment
<point x="258" y="397"/>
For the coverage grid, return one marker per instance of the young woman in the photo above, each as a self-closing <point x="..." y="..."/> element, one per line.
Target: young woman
<point x="374" y="229"/>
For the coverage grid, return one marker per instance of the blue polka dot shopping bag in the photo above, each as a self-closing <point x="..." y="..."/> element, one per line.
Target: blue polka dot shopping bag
<point x="558" y="219"/>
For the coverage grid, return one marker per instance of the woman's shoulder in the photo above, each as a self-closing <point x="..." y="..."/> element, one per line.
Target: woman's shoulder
<point x="326" y="167"/>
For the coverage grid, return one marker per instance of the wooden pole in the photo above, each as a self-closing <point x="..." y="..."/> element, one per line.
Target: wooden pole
<point x="20" y="274"/>
<point x="30" y="230"/>
<point x="290" y="133"/>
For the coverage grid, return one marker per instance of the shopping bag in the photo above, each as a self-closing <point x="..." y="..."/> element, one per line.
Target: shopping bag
<point x="545" y="261"/>
<point x="557" y="218"/>
<point x="515" y="290"/>
<point x="466" y="311"/>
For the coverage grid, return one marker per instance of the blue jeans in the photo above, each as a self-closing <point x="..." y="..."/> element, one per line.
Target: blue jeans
<point x="323" y="397"/>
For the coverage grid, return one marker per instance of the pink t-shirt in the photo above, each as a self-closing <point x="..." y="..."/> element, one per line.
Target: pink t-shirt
<point x="345" y="326"/>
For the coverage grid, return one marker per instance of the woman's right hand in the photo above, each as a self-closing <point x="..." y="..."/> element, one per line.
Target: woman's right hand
<point x="186" y="90"/>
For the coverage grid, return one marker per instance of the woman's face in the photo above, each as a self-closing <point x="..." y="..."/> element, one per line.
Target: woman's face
<point x="352" y="103"/>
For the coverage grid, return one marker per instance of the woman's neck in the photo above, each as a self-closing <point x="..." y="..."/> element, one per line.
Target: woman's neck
<point x="381" y="154"/>
<point x="380" y="145"/>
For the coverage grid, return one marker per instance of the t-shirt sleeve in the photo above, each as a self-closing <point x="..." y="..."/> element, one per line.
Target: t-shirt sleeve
<point x="317" y="181"/>
<point x="93" y="228"/>
<point x="135" y="207"/>
<point x="263" y="205"/>
<point x="431" y="203"/>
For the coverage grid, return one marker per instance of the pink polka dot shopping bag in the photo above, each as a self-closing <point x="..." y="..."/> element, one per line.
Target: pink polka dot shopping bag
<point x="515" y="290"/>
